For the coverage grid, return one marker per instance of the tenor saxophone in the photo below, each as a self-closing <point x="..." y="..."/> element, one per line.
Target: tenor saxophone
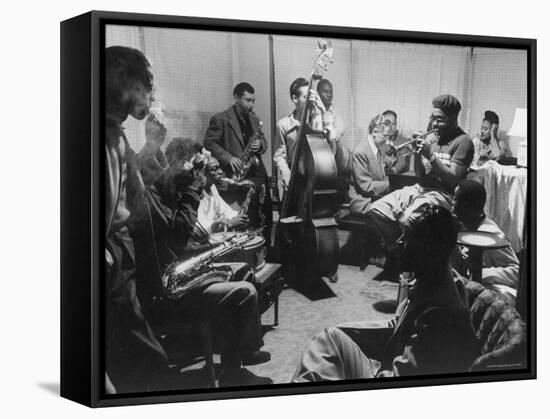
<point x="182" y="276"/>
<point x="249" y="158"/>
<point x="246" y="202"/>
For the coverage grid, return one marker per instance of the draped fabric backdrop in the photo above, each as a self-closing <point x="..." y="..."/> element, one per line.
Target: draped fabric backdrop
<point x="195" y="72"/>
<point x="499" y="83"/>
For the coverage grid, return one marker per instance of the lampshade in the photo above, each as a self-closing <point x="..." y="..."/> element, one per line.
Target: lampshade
<point x="519" y="126"/>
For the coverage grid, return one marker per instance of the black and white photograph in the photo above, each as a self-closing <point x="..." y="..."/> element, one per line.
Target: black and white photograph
<point x="275" y="210"/>
<point x="295" y="209"/>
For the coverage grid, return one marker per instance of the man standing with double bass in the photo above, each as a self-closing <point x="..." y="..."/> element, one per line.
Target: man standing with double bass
<point x="231" y="133"/>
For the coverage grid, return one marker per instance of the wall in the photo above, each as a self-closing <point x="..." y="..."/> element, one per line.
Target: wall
<point x="195" y="72"/>
<point x="499" y="83"/>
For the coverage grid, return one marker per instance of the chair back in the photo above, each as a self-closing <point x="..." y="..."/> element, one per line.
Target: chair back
<point x="498" y="327"/>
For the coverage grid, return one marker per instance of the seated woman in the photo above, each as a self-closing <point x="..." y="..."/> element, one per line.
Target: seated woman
<point x="432" y="333"/>
<point x="164" y="235"/>
<point x="487" y="145"/>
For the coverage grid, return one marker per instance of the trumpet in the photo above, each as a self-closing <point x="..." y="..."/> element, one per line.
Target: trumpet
<point x="414" y="140"/>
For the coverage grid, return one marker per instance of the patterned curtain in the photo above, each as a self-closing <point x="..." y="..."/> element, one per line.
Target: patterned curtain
<point x="195" y="72"/>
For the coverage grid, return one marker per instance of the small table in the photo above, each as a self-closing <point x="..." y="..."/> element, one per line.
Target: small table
<point x="477" y="242"/>
<point x="270" y="283"/>
<point x="507" y="195"/>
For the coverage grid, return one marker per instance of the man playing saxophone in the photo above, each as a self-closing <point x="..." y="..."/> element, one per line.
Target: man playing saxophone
<point x="229" y="134"/>
<point x="214" y="214"/>
<point x="168" y="233"/>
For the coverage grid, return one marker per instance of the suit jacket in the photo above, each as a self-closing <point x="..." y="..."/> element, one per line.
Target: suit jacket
<point x="369" y="180"/>
<point x="118" y="149"/>
<point x="403" y="156"/>
<point x="224" y="139"/>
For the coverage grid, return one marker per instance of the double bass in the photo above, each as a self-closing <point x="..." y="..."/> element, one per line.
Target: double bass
<point x="307" y="231"/>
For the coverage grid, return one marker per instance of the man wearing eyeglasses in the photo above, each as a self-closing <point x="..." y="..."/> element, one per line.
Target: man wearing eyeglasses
<point x="214" y="214"/>
<point x="228" y="135"/>
<point x="224" y="299"/>
<point x="402" y="157"/>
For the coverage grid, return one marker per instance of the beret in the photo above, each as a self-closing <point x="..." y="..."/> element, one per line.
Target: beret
<point x="448" y="104"/>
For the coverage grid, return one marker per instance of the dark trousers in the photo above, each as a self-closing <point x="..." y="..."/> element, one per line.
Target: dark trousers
<point x="261" y="207"/>
<point x="231" y="311"/>
<point x="134" y="359"/>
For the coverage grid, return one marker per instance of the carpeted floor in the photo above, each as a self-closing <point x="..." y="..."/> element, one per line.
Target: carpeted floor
<point x="355" y="297"/>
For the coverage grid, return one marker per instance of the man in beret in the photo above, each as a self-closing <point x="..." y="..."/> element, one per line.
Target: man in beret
<point x="440" y="162"/>
<point x="443" y="163"/>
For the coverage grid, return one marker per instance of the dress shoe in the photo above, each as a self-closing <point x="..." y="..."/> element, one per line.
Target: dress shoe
<point x="256" y="357"/>
<point x="333" y="278"/>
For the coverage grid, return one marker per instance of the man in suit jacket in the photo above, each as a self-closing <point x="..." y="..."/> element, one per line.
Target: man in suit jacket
<point x="369" y="179"/>
<point x="395" y="139"/>
<point x="227" y="136"/>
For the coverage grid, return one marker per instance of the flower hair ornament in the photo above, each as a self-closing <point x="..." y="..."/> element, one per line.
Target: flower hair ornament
<point x="188" y="165"/>
<point x="198" y="160"/>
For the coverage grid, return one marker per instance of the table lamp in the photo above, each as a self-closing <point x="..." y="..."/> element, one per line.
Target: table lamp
<point x="519" y="129"/>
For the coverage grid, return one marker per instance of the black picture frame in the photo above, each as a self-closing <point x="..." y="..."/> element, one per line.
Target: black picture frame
<point x="82" y="43"/>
